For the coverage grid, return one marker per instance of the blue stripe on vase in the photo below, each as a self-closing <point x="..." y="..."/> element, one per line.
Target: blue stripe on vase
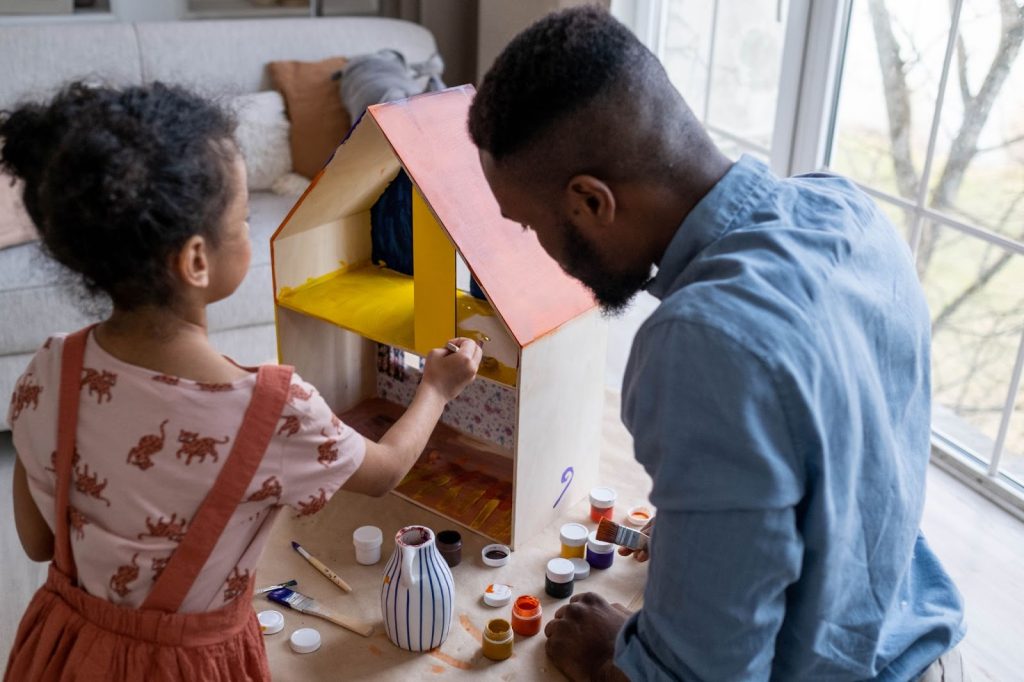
<point x="408" y="629"/>
<point x="398" y="583"/>
<point x="433" y="599"/>
<point x="385" y="596"/>
<point x="421" y="598"/>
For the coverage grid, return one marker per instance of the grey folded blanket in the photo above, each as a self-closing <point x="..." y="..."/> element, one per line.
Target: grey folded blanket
<point x="385" y="76"/>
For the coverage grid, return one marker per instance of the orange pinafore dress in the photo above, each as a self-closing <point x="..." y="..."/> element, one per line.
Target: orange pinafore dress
<point x="68" y="634"/>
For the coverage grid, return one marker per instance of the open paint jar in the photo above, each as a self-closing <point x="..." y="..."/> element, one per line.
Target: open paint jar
<point x="574" y="540"/>
<point x="600" y="555"/>
<point x="498" y="640"/>
<point x="602" y="504"/>
<point x="495" y="555"/>
<point x="526" y="616"/>
<point x="449" y="544"/>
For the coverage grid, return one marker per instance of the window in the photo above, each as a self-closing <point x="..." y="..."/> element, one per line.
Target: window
<point x="919" y="102"/>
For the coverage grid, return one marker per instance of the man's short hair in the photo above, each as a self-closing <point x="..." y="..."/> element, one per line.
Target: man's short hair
<point x="552" y="69"/>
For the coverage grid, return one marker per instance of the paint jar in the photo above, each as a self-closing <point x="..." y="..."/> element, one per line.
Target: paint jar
<point x="639" y="516"/>
<point x="600" y="555"/>
<point x="558" y="579"/>
<point x="367" y="541"/>
<point x="495" y="556"/>
<point x="602" y="504"/>
<point x="526" y="616"/>
<point x="574" y="541"/>
<point x="581" y="569"/>
<point x="498" y="640"/>
<point x="449" y="544"/>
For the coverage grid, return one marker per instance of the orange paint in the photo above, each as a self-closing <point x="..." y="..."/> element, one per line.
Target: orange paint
<point x="437" y="669"/>
<point x="468" y="626"/>
<point x="375" y="650"/>
<point x="451" y="660"/>
<point x="526" y="616"/>
<point x="430" y="138"/>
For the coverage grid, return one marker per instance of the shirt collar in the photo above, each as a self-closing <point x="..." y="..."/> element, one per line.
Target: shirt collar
<point x="711" y="218"/>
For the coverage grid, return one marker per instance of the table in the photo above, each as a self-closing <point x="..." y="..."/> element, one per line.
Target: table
<point x="345" y="655"/>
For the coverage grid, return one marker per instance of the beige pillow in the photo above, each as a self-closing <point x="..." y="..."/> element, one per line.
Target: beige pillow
<point x="15" y="225"/>
<point x="318" y="118"/>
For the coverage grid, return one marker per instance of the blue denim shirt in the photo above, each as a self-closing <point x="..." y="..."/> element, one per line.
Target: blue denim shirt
<point x="780" y="398"/>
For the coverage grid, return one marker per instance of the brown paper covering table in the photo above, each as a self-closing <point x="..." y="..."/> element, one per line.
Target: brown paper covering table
<point x="345" y="655"/>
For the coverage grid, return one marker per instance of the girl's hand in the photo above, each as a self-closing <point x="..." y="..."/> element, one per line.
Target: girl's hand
<point x="448" y="372"/>
<point x="644" y="554"/>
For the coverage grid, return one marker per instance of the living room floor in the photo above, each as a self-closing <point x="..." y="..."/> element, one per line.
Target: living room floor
<point x="980" y="545"/>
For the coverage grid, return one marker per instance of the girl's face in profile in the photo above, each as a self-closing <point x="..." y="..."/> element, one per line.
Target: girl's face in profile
<point x="231" y="257"/>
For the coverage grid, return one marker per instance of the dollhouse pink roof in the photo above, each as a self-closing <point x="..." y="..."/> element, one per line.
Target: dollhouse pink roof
<point x="528" y="289"/>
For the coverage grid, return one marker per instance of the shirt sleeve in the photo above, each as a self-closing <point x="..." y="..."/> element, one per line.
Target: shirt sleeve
<point x="318" y="451"/>
<point x="32" y="416"/>
<point x="711" y="429"/>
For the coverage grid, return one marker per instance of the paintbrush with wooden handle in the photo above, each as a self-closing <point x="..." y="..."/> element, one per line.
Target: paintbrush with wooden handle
<point x="609" y="531"/>
<point x="304" y="604"/>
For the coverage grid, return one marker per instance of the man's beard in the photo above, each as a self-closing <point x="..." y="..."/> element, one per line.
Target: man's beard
<point x="613" y="289"/>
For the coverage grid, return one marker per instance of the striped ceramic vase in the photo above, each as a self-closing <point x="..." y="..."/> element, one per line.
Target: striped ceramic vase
<point x="417" y="596"/>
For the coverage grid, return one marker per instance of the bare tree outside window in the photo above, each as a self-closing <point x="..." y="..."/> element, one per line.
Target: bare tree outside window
<point x="975" y="288"/>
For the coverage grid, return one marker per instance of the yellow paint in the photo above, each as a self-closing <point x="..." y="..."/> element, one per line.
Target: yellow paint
<point x="434" y="267"/>
<point x="467" y="307"/>
<point x="371" y="301"/>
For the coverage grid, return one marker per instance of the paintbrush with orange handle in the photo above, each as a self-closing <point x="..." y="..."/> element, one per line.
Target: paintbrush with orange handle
<point x="609" y="531"/>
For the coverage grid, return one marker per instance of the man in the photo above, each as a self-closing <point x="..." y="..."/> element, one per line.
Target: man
<point x="779" y="396"/>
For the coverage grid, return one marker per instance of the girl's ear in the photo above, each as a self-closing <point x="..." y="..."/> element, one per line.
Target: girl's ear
<point x="192" y="263"/>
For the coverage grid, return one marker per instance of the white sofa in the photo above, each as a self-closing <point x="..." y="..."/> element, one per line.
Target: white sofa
<point x="213" y="57"/>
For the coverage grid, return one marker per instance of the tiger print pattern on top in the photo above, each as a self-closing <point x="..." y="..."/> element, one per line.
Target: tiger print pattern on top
<point x="148" y="450"/>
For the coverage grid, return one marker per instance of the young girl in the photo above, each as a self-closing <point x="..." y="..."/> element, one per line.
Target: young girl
<point x="148" y="465"/>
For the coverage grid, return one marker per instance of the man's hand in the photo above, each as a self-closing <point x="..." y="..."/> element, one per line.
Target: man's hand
<point x="581" y="638"/>
<point x="644" y="554"/>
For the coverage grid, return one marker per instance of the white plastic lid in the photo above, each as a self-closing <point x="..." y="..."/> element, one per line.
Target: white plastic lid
<point x="574" y="534"/>
<point x="595" y="545"/>
<point x="368" y="537"/>
<point x="581" y="569"/>
<point x="603" y="498"/>
<point x="561" y="571"/>
<point x="497" y="595"/>
<point x="305" y="641"/>
<point x="500" y="552"/>
<point x="271" y="621"/>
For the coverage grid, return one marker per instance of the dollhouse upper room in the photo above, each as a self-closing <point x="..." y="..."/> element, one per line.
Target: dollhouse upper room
<point x="397" y="246"/>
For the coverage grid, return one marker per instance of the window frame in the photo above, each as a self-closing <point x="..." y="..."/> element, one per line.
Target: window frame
<point x="805" y="118"/>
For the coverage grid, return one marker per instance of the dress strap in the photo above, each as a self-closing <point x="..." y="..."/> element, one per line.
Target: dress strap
<point x="72" y="361"/>
<point x="254" y="435"/>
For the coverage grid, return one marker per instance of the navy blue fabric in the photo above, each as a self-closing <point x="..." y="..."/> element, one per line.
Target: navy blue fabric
<point x="391" y="226"/>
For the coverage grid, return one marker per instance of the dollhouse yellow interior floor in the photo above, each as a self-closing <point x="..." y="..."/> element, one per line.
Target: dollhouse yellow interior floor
<point x="458" y="476"/>
<point x="378" y="303"/>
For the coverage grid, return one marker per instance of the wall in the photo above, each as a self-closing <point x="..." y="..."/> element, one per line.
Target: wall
<point x="500" y="22"/>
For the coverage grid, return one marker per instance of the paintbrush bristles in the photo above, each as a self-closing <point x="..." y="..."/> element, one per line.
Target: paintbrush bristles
<point x="609" y="531"/>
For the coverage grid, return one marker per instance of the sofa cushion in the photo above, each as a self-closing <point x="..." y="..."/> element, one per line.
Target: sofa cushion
<point x="262" y="136"/>
<point x="39" y="59"/>
<point x="230" y="56"/>
<point x="318" y="118"/>
<point x="30" y="282"/>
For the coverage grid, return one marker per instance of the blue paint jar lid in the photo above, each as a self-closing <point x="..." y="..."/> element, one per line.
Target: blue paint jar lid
<point x="598" y="547"/>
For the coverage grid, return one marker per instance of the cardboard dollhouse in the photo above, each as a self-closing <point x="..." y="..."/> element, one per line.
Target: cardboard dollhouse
<point x="522" y="443"/>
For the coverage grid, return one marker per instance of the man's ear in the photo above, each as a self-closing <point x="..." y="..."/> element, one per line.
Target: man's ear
<point x="192" y="263"/>
<point x="591" y="202"/>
